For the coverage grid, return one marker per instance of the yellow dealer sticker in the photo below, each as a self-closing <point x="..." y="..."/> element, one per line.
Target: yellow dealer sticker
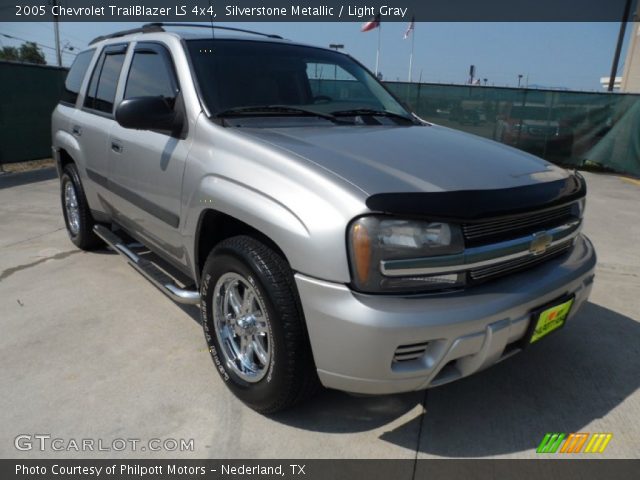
<point x="551" y="319"/>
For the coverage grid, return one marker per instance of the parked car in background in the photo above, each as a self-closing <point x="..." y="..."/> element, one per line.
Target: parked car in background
<point x="468" y="113"/>
<point x="534" y="127"/>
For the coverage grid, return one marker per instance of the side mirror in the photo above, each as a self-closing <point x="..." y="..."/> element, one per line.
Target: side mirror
<point x="148" y="113"/>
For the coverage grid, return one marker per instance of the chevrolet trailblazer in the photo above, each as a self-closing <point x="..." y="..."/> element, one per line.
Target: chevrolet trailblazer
<point x="328" y="234"/>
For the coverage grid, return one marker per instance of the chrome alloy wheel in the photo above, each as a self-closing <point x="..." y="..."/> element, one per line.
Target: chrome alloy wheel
<point x="242" y="327"/>
<point x="71" y="207"/>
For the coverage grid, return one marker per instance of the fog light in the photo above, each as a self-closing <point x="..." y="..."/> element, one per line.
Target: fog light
<point x="408" y="283"/>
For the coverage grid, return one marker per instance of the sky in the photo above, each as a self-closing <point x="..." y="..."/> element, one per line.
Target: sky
<point x="556" y="55"/>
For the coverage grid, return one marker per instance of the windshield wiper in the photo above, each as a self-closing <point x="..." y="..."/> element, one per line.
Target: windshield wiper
<point x="356" y="112"/>
<point x="276" y="109"/>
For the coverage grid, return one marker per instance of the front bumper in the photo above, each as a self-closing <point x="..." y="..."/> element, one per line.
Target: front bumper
<point x="357" y="339"/>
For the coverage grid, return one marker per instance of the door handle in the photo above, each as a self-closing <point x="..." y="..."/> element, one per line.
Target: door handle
<point x="76" y="130"/>
<point x="116" y="147"/>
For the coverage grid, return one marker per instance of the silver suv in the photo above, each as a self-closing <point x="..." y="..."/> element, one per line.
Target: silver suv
<point x="329" y="235"/>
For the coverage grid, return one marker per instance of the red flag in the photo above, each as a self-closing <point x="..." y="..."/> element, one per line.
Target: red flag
<point x="373" y="24"/>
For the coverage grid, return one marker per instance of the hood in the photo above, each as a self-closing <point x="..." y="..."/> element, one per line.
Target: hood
<point x="384" y="159"/>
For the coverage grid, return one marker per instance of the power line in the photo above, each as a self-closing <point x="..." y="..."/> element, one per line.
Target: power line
<point x="12" y="37"/>
<point x="17" y="29"/>
<point x="25" y="40"/>
<point x="49" y="29"/>
<point x="68" y="35"/>
<point x="46" y="26"/>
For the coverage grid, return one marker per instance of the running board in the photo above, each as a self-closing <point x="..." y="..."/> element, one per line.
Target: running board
<point x="156" y="276"/>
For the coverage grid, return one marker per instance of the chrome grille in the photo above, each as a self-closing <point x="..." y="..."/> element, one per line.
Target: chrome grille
<point x="511" y="266"/>
<point x="511" y="227"/>
<point x="405" y="353"/>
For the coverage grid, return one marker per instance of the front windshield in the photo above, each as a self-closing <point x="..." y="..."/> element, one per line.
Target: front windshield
<point x="236" y="74"/>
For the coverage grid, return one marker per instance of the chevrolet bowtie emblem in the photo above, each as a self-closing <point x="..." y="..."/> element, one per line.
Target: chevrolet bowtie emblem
<point x="541" y="241"/>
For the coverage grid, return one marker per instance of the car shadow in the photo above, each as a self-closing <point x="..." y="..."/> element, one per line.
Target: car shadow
<point x="331" y="411"/>
<point x="563" y="384"/>
<point x="560" y="385"/>
<point x="9" y="180"/>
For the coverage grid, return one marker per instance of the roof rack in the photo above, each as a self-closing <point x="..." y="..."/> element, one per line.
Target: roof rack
<point x="148" y="28"/>
<point x="216" y="27"/>
<point x="158" y="27"/>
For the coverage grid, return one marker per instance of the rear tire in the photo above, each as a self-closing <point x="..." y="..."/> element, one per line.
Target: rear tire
<point x="77" y="215"/>
<point x="248" y="292"/>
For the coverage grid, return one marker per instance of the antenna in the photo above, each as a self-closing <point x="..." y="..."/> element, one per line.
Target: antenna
<point x="213" y="35"/>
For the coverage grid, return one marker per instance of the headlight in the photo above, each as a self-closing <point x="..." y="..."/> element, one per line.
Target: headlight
<point x="375" y="239"/>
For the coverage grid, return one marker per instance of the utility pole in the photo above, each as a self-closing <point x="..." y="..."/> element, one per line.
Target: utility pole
<point x="413" y="43"/>
<point x="616" y="55"/>
<point x="56" y="30"/>
<point x="519" y="79"/>
<point x="378" y="52"/>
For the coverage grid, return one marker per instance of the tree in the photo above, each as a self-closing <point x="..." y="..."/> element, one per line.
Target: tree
<point x="28" y="52"/>
<point x="10" y="53"/>
<point x="31" y="53"/>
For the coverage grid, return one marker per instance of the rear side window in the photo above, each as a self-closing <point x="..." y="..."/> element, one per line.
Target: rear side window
<point x="75" y="76"/>
<point x="151" y="74"/>
<point x="104" y="80"/>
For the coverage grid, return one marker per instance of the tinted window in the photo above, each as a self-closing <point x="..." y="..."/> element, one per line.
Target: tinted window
<point x="75" y="76"/>
<point x="332" y="81"/>
<point x="150" y="75"/>
<point x="236" y="74"/>
<point x="104" y="81"/>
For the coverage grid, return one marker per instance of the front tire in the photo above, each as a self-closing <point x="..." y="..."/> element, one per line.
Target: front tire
<point x="77" y="215"/>
<point x="254" y="325"/>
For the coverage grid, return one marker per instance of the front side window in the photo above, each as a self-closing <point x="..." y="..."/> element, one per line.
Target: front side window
<point x="104" y="81"/>
<point x="76" y="75"/>
<point x="151" y="74"/>
<point x="239" y="74"/>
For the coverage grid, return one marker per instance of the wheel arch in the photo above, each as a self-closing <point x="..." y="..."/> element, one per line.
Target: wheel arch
<point x="64" y="158"/>
<point x="66" y="150"/>
<point x="215" y="226"/>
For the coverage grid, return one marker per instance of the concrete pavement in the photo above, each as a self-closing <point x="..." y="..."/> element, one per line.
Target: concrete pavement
<point x="90" y="350"/>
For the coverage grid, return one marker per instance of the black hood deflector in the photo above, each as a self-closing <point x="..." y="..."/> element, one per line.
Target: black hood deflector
<point x="480" y="205"/>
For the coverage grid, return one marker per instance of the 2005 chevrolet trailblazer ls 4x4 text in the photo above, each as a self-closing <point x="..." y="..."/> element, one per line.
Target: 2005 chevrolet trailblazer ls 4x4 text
<point x="329" y="235"/>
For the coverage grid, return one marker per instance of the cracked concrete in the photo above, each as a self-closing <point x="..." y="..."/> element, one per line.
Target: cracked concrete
<point x="58" y="256"/>
<point x="32" y="238"/>
<point x="89" y="349"/>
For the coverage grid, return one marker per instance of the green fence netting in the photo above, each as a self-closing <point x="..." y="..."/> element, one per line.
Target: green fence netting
<point x="579" y="129"/>
<point x="29" y="95"/>
<point x="576" y="129"/>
